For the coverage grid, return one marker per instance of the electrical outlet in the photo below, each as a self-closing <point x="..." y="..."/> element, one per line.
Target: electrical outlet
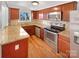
<point x="16" y="47"/>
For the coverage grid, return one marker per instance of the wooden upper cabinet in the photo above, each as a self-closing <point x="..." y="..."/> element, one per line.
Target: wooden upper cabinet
<point x="66" y="8"/>
<point x="13" y="13"/>
<point x="55" y="9"/>
<point x="35" y="14"/>
<point x="69" y="6"/>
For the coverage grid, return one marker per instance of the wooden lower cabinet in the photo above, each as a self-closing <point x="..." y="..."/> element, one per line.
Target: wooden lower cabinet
<point x="64" y="46"/>
<point x="35" y="30"/>
<point x="39" y="32"/>
<point x="11" y="50"/>
<point x="30" y="29"/>
<point x="42" y="33"/>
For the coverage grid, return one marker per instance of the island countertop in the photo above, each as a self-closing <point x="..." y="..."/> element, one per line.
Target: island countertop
<point x="11" y="34"/>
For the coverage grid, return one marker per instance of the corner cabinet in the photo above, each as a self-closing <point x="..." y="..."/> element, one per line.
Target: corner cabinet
<point x="17" y="49"/>
<point x="30" y="29"/>
<point x="66" y="8"/>
<point x="64" y="46"/>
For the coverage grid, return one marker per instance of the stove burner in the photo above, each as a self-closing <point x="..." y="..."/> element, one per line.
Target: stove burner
<point x="55" y="29"/>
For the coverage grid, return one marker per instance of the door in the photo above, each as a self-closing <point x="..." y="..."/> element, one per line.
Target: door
<point x="13" y="13"/>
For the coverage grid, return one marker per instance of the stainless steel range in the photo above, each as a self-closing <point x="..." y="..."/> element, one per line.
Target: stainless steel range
<point x="51" y="36"/>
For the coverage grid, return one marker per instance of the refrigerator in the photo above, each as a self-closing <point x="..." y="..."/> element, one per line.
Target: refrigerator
<point x="74" y="34"/>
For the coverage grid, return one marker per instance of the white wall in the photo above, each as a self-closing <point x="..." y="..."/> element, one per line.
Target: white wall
<point x="78" y="5"/>
<point x="0" y="18"/>
<point x="0" y="51"/>
<point x="4" y="15"/>
<point x="0" y="27"/>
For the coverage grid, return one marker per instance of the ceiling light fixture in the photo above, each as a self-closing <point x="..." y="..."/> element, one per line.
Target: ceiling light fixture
<point x="35" y="3"/>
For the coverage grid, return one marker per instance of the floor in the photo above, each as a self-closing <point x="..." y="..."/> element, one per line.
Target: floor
<point x="39" y="49"/>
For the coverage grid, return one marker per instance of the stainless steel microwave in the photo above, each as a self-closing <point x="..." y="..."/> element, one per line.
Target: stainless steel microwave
<point x="54" y="16"/>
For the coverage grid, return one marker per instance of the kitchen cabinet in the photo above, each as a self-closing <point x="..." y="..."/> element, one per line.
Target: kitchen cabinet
<point x="34" y="30"/>
<point x="64" y="46"/>
<point x="63" y="8"/>
<point x="17" y="49"/>
<point x="66" y="8"/>
<point x="55" y="9"/>
<point x="43" y="16"/>
<point x="30" y="29"/>
<point x="35" y="15"/>
<point x="39" y="32"/>
<point x="42" y="33"/>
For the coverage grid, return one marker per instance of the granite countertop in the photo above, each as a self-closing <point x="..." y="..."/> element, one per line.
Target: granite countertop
<point x="11" y="34"/>
<point x="36" y="23"/>
<point x="65" y="33"/>
<point x="16" y="32"/>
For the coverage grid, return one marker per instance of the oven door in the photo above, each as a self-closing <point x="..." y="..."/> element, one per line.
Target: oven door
<point x="51" y="36"/>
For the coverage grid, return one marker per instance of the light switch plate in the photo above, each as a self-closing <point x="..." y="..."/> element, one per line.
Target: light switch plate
<point x="16" y="47"/>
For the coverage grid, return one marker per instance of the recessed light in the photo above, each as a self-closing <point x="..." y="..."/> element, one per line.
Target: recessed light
<point x="55" y="8"/>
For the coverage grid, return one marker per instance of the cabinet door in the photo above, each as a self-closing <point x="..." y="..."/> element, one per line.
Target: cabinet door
<point x="41" y="16"/>
<point x="66" y="8"/>
<point x="65" y="16"/>
<point x="64" y="46"/>
<point x="42" y="33"/>
<point x="30" y="29"/>
<point x="35" y="15"/>
<point x="18" y="49"/>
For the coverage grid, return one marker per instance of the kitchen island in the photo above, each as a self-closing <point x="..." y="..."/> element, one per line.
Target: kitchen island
<point x="11" y="38"/>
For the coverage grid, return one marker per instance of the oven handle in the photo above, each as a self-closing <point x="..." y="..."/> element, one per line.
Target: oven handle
<point x="50" y="32"/>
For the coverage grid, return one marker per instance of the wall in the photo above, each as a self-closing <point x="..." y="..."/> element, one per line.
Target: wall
<point x="78" y="5"/>
<point x="21" y="8"/>
<point x="0" y="51"/>
<point x="0" y="27"/>
<point x="0" y="18"/>
<point x="4" y="15"/>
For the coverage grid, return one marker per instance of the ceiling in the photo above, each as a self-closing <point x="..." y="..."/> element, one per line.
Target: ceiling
<point x="42" y="4"/>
